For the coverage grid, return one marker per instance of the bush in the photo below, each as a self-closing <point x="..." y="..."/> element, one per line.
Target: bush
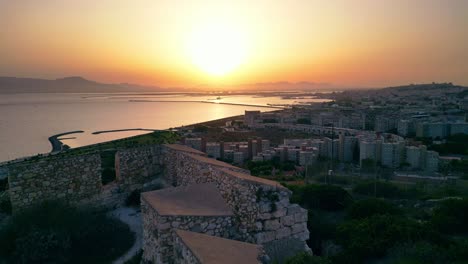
<point x="5" y="203"/>
<point x="424" y="252"/>
<point x="3" y="184"/>
<point x="304" y="258"/>
<point x="321" y="229"/>
<point x="451" y="216"/>
<point x="108" y="176"/>
<point x="419" y="252"/>
<point x="325" y="197"/>
<point x="134" y="198"/>
<point x="57" y="233"/>
<point x="379" y="189"/>
<point x="371" y="237"/>
<point x="370" y="207"/>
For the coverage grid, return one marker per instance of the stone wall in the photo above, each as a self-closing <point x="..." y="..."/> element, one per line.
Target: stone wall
<point x="73" y="179"/>
<point x="196" y="248"/>
<point x="137" y="166"/>
<point x="261" y="207"/>
<point x="158" y="240"/>
<point x="77" y="179"/>
<point x="183" y="255"/>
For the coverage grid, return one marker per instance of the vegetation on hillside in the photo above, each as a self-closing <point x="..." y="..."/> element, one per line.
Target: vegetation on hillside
<point x="157" y="137"/>
<point x="397" y="228"/>
<point x="56" y="233"/>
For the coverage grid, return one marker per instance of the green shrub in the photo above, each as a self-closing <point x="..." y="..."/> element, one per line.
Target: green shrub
<point x="134" y="198"/>
<point x="5" y="203"/>
<point x="370" y="207"/>
<point x="420" y="252"/>
<point x="320" y="228"/>
<point x="305" y="258"/>
<point x="451" y="216"/>
<point x="57" y="233"/>
<point x="108" y="176"/>
<point x="324" y="197"/>
<point x="379" y="189"/>
<point x="423" y="252"/>
<point x="371" y="237"/>
<point x="3" y="184"/>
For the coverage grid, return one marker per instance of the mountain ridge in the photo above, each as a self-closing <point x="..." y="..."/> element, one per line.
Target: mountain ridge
<point x="70" y="84"/>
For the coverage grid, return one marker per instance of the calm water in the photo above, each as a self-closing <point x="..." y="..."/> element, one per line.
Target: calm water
<point x="27" y="120"/>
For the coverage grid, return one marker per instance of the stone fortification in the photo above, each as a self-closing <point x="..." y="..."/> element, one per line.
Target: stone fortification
<point x="196" y="248"/>
<point x="198" y="208"/>
<point x="138" y="166"/>
<point x="74" y="179"/>
<point x="208" y="196"/>
<point x="77" y="179"/>
<point x="261" y="206"/>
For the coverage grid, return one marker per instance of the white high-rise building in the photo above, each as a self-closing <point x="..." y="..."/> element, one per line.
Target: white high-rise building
<point x="213" y="149"/>
<point x="432" y="161"/>
<point x="306" y="158"/>
<point x="195" y="143"/>
<point x="413" y="157"/>
<point x="238" y="157"/>
<point x="405" y="127"/>
<point x="392" y="154"/>
<point x="347" y="146"/>
<point x="367" y="150"/>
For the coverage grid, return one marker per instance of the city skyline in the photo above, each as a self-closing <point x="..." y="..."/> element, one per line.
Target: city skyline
<point x="213" y="43"/>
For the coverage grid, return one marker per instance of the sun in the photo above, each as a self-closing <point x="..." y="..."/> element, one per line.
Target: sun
<point x="217" y="48"/>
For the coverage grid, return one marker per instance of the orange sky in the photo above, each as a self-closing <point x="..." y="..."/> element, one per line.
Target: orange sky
<point x="347" y="43"/>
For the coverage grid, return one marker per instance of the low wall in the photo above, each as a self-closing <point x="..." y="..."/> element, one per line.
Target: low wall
<point x="77" y="179"/>
<point x="137" y="166"/>
<point x="158" y="240"/>
<point x="183" y="254"/>
<point x="261" y="206"/>
<point x="73" y="179"/>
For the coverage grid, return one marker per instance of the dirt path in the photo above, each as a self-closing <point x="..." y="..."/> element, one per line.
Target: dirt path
<point x="132" y="217"/>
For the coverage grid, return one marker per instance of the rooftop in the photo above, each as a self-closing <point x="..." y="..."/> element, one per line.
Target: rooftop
<point x="214" y="250"/>
<point x="201" y="199"/>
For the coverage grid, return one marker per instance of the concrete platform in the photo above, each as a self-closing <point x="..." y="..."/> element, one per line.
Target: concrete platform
<point x="215" y="250"/>
<point x="201" y="199"/>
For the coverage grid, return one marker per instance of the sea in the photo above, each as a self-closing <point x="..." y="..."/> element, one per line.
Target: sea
<point x="28" y="120"/>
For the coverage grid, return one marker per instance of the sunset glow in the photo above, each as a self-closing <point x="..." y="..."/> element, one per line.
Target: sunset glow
<point x="217" y="49"/>
<point x="165" y="43"/>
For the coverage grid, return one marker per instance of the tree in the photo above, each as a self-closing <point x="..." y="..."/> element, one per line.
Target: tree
<point x="371" y="237"/>
<point x="56" y="233"/>
<point x="451" y="216"/>
<point x="324" y="197"/>
<point x="305" y="258"/>
<point x="370" y="207"/>
<point x="378" y="189"/>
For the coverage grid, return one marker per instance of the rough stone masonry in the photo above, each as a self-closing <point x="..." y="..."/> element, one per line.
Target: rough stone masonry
<point x="253" y="209"/>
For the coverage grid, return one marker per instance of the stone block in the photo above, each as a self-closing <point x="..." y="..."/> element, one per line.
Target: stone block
<point x="265" y="237"/>
<point x="283" y="232"/>
<point x="287" y="220"/>
<point x="273" y="224"/>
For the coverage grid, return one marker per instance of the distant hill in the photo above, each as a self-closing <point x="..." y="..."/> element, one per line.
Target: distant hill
<point x="68" y="85"/>
<point x="272" y="86"/>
